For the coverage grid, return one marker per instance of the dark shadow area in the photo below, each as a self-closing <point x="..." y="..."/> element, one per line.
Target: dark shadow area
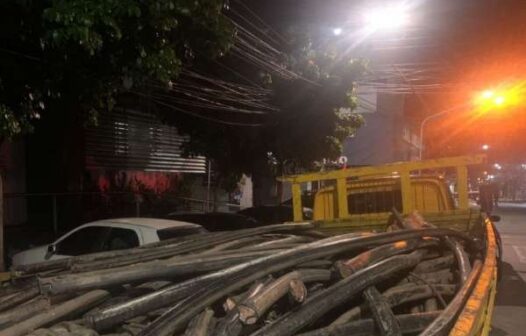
<point x="504" y="209"/>
<point x="498" y="332"/>
<point x="511" y="290"/>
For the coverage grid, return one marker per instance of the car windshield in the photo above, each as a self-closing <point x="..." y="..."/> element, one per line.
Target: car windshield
<point x="176" y="232"/>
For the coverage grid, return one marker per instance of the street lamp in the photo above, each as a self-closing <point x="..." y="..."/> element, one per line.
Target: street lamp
<point x="434" y="116"/>
<point x="486" y="100"/>
<point x="487" y="94"/>
<point x="499" y="100"/>
<point x="490" y="99"/>
<point x="386" y="17"/>
<point x="337" y="31"/>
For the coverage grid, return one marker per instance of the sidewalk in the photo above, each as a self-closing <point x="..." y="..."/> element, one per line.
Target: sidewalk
<point x="514" y="204"/>
<point x="510" y="309"/>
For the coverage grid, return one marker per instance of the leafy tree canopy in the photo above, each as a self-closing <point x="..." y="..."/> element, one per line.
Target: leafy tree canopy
<point x="78" y="54"/>
<point x="315" y="114"/>
<point x="70" y="56"/>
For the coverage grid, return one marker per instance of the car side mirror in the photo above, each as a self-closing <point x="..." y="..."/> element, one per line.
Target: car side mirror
<point x="494" y="218"/>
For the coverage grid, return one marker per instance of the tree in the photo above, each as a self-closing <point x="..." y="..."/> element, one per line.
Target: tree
<point x="76" y="55"/>
<point x="315" y="114"/>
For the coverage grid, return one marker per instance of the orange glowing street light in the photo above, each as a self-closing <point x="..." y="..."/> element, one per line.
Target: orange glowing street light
<point x="485" y="100"/>
<point x="500" y="100"/>
<point x="487" y="94"/>
<point x="502" y="97"/>
<point x="490" y="99"/>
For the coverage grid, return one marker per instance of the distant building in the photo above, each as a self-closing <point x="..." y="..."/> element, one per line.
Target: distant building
<point x="389" y="133"/>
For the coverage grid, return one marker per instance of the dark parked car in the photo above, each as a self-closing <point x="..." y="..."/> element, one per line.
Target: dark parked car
<point x="215" y="221"/>
<point x="273" y="214"/>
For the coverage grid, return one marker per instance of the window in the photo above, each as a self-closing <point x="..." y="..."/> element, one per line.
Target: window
<point x="87" y="240"/>
<point x="374" y="202"/>
<point x="176" y="232"/>
<point x="120" y="239"/>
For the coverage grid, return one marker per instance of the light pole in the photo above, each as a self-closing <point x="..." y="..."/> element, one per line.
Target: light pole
<point x="386" y="18"/>
<point x="433" y="116"/>
<point x="486" y="100"/>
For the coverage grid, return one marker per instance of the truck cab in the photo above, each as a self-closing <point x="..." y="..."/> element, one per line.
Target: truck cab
<point x="430" y="194"/>
<point x="362" y="198"/>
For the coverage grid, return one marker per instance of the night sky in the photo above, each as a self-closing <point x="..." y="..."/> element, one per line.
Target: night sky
<point x="474" y="45"/>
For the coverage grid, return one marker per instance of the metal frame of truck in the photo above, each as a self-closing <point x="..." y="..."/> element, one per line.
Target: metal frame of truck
<point x="475" y="318"/>
<point x="402" y="169"/>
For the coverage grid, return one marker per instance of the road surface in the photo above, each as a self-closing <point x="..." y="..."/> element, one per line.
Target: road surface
<point x="509" y="317"/>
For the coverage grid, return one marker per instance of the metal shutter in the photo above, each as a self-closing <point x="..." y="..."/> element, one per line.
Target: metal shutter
<point x="131" y="140"/>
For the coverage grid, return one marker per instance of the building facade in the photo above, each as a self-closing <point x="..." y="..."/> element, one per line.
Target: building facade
<point x="389" y="133"/>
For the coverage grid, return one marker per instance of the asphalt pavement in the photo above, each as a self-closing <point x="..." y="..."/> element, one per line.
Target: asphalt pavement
<point x="509" y="317"/>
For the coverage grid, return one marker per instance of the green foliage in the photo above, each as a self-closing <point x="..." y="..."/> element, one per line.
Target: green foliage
<point x="316" y="115"/>
<point x="80" y="54"/>
<point x="76" y="56"/>
<point x="13" y="122"/>
<point x="9" y="124"/>
<point x="316" y="110"/>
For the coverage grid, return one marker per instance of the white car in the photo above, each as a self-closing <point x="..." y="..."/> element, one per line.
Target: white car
<point x="107" y="235"/>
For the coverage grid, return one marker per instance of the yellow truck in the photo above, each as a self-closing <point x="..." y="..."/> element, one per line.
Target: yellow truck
<point x="358" y="199"/>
